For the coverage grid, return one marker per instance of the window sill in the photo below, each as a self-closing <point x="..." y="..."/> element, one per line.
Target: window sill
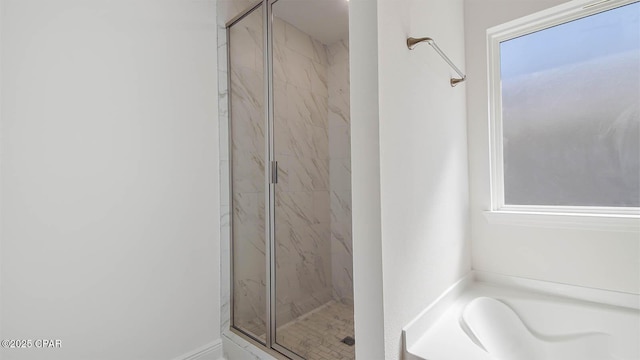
<point x="623" y="223"/>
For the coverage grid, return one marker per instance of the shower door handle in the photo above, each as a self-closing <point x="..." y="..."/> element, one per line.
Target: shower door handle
<point x="274" y="172"/>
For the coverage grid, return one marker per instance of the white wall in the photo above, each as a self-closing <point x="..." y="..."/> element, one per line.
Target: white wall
<point x="365" y="180"/>
<point x="109" y="184"/>
<point x="423" y="160"/>
<point x="599" y="259"/>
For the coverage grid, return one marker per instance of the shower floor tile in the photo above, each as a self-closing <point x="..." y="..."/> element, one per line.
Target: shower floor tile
<point x="318" y="335"/>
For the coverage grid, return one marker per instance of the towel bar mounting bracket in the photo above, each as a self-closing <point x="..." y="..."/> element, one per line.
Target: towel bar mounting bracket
<point x="413" y="42"/>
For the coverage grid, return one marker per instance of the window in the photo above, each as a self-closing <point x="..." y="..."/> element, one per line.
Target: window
<point x="565" y="110"/>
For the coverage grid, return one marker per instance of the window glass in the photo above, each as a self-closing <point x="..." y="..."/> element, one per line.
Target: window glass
<point x="571" y="113"/>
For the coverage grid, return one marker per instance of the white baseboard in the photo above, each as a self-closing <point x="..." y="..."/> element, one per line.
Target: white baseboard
<point x="210" y="351"/>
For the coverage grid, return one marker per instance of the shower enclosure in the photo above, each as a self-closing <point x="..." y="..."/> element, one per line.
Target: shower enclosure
<point x="290" y="185"/>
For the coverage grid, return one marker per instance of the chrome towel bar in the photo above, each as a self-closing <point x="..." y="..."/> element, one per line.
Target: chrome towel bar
<point x="412" y="42"/>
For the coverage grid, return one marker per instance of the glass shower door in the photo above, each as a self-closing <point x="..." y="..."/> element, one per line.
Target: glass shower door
<point x="290" y="193"/>
<point x="248" y="180"/>
<point x="310" y="317"/>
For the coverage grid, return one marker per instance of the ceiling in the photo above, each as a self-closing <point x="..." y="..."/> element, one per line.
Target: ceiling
<point x="325" y="20"/>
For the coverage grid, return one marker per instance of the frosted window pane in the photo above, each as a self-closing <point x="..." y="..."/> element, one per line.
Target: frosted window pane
<point x="570" y="110"/>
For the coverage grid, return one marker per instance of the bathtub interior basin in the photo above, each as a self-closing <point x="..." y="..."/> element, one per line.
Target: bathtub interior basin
<point x="496" y="328"/>
<point x="488" y="317"/>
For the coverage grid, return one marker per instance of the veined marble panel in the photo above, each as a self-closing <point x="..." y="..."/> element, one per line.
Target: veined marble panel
<point x="249" y="249"/>
<point x="318" y="170"/>
<point x="318" y="77"/>
<point x="296" y="67"/>
<point x="225" y="259"/>
<point x="322" y="208"/>
<point x="303" y="276"/>
<point x="225" y="230"/>
<point x="342" y="278"/>
<point x="338" y="77"/>
<point x="248" y="173"/>
<point x="247" y="130"/>
<point x="223" y="119"/>
<point x="280" y="99"/>
<point x="247" y="91"/>
<point x="249" y="309"/>
<point x="222" y="58"/>
<point x="340" y="175"/>
<point x="292" y="176"/>
<point x="340" y="171"/>
<point x="247" y="44"/>
<point x="301" y="42"/>
<point x="302" y="146"/>
<point x="303" y="219"/>
<point x="313" y="202"/>
<point x="293" y="137"/>
<point x="248" y="208"/>
<point x="294" y="209"/>
<point x="242" y="58"/>
<point x="224" y="181"/>
<point x="338" y="119"/>
<point x="282" y="137"/>
<point x="279" y="61"/>
<point x="320" y="52"/>
<point x="320" y="141"/>
<point x="338" y="51"/>
<point x="305" y="106"/>
<point x="341" y="207"/>
<point x="339" y="140"/>
<point x="301" y="251"/>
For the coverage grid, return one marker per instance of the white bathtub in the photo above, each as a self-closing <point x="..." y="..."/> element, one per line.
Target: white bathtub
<point x="492" y="317"/>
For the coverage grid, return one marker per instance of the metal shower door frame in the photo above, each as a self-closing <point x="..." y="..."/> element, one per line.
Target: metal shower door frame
<point x="236" y="330"/>
<point x="270" y="345"/>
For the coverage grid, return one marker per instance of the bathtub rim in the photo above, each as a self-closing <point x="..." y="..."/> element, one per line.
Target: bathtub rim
<point x="415" y="329"/>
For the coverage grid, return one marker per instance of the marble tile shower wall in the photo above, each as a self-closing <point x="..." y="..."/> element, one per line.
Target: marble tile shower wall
<point x="223" y="13"/>
<point x="248" y="170"/>
<point x="303" y="221"/>
<point x="314" y="202"/>
<point x="340" y="171"/>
